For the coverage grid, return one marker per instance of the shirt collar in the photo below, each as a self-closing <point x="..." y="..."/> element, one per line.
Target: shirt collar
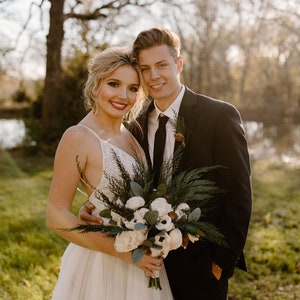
<point x="173" y="109"/>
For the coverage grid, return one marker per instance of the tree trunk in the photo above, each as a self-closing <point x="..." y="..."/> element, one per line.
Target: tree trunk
<point x="51" y="100"/>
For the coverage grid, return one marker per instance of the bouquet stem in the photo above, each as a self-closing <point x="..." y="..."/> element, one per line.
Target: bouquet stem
<point x="155" y="281"/>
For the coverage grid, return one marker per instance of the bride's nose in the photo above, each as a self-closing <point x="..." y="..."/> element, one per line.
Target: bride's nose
<point x="123" y="94"/>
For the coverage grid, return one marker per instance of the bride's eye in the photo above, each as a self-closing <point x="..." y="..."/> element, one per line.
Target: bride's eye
<point x="113" y="84"/>
<point x="134" y="89"/>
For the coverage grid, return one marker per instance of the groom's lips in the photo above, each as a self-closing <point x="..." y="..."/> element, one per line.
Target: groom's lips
<point x="157" y="86"/>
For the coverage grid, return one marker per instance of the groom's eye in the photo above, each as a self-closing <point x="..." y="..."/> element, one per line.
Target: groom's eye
<point x="144" y="69"/>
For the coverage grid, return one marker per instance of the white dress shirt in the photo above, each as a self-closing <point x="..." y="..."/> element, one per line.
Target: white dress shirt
<point x="171" y="112"/>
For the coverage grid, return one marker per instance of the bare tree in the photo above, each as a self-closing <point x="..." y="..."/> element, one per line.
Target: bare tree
<point x="83" y="11"/>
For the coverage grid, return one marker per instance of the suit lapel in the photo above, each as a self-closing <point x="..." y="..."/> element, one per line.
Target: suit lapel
<point x="187" y="112"/>
<point x="143" y="137"/>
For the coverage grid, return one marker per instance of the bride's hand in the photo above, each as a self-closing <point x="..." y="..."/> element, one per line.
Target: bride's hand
<point x="149" y="264"/>
<point x="85" y="214"/>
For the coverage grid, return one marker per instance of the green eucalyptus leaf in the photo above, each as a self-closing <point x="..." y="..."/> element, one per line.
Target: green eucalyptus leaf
<point x="137" y="255"/>
<point x="136" y="189"/>
<point x="112" y="222"/>
<point x="151" y="217"/>
<point x="139" y="226"/>
<point x="194" y="216"/>
<point x="160" y="191"/>
<point x="105" y="213"/>
<point x="148" y="243"/>
<point x="157" y="247"/>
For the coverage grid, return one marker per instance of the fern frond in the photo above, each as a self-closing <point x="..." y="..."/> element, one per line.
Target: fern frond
<point x="109" y="230"/>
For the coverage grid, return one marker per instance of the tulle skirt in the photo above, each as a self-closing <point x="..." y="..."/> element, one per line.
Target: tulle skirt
<point x="91" y="275"/>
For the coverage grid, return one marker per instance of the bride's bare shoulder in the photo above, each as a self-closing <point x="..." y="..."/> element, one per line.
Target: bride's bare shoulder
<point x="77" y="137"/>
<point x="76" y="132"/>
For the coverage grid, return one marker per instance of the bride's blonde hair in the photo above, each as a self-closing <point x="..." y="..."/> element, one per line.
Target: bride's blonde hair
<point x="101" y="66"/>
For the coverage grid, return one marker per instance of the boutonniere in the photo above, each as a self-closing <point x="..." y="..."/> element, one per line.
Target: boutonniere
<point x="179" y="129"/>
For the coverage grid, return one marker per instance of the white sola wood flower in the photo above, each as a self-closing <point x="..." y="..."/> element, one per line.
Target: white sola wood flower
<point x="181" y="209"/>
<point x="138" y="217"/>
<point x="135" y="202"/>
<point x="193" y="238"/>
<point x="161" y="205"/>
<point x="117" y="218"/>
<point x="165" y="223"/>
<point x="129" y="240"/>
<point x="161" y="239"/>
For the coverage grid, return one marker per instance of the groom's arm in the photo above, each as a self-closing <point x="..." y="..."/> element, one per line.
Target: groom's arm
<point x="232" y="152"/>
<point x="85" y="214"/>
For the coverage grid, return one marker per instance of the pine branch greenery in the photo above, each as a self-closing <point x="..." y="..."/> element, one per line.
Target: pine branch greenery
<point x="186" y="195"/>
<point x="158" y="218"/>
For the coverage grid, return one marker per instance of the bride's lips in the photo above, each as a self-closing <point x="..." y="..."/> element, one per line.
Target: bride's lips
<point x="118" y="105"/>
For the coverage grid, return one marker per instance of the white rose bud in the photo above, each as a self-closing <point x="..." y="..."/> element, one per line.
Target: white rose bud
<point x="162" y="206"/>
<point x="176" y="239"/>
<point x="129" y="240"/>
<point x="139" y="215"/>
<point x="135" y="202"/>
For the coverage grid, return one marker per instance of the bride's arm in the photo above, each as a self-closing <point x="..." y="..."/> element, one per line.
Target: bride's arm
<point x="63" y="187"/>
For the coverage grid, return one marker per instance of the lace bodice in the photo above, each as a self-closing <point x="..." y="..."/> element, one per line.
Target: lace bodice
<point x="109" y="167"/>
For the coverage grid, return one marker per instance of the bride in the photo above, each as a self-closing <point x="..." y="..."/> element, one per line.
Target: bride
<point x="91" y="268"/>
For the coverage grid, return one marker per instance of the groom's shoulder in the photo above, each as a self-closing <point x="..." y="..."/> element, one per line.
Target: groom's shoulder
<point x="206" y="100"/>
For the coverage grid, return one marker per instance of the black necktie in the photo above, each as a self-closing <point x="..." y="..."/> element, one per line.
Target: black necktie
<point x="159" y="147"/>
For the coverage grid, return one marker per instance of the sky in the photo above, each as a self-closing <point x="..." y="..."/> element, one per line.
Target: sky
<point x="13" y="17"/>
<point x="32" y="65"/>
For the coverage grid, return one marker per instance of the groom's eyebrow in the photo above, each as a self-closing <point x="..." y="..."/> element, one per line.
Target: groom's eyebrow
<point x="156" y="63"/>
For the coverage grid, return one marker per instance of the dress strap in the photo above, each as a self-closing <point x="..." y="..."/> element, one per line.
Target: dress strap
<point x="91" y="131"/>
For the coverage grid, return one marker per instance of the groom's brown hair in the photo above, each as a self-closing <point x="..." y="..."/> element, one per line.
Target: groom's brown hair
<point x="157" y="37"/>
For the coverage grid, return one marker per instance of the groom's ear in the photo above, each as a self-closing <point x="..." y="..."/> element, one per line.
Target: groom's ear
<point x="180" y="63"/>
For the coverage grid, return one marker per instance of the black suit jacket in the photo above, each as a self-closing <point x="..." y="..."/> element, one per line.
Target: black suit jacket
<point x="214" y="135"/>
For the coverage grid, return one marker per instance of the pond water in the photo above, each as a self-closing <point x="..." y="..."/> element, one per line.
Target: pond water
<point x="277" y="143"/>
<point x="12" y="132"/>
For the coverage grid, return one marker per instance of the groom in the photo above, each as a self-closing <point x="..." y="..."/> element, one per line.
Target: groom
<point x="214" y="135"/>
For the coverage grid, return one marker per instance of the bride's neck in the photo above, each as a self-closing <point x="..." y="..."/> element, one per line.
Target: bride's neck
<point x="107" y="124"/>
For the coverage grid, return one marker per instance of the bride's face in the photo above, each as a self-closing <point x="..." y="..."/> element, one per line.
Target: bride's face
<point x="118" y="92"/>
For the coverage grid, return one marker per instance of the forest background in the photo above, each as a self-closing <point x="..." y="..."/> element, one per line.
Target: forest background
<point x="244" y="52"/>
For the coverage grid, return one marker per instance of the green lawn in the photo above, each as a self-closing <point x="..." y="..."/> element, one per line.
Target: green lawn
<point x="30" y="254"/>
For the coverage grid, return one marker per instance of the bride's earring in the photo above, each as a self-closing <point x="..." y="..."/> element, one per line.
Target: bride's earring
<point x="95" y="110"/>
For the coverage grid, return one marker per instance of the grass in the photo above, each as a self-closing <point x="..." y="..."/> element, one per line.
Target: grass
<point x="30" y="254"/>
<point x="272" y="248"/>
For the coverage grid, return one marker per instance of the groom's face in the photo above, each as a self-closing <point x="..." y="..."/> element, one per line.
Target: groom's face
<point x="161" y="74"/>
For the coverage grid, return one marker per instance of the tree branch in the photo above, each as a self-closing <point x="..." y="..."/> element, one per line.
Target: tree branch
<point x="98" y="13"/>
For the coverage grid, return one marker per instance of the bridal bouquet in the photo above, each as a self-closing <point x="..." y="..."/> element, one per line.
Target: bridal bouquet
<point x="147" y="220"/>
<point x="155" y="220"/>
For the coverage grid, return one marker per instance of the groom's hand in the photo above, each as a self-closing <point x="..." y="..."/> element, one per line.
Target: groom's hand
<point x="85" y="214"/>
<point x="216" y="270"/>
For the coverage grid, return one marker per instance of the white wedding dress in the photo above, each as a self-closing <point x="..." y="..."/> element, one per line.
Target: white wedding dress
<point x="91" y="275"/>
